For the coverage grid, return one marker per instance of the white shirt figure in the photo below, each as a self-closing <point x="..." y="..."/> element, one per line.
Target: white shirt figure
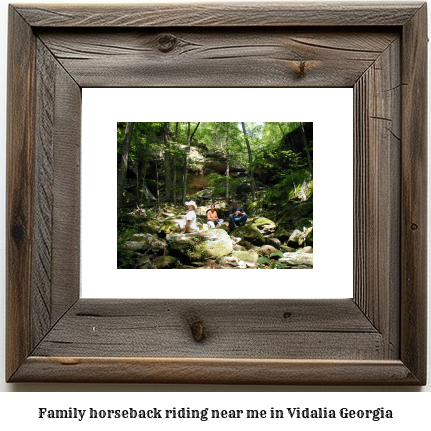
<point x="191" y="215"/>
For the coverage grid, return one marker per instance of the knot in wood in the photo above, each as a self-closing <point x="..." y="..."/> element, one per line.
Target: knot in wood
<point x="18" y="233"/>
<point x="197" y="328"/>
<point x="414" y="226"/>
<point x="167" y="42"/>
<point x="300" y="69"/>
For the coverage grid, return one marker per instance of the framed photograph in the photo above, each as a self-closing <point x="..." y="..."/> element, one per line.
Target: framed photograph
<point x="377" y="337"/>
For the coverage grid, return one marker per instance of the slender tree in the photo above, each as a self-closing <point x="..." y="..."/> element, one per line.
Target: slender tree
<point x="227" y="162"/>
<point x="121" y="180"/>
<point x="307" y="151"/>
<point x="168" y="163"/>
<point x="186" y="163"/>
<point x="250" y="162"/>
<point x="174" y="166"/>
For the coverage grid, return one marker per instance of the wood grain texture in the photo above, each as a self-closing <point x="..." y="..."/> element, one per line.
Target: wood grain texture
<point x="19" y="200"/>
<point x="55" y="278"/>
<point x="413" y="194"/>
<point x="215" y="371"/>
<point x="377" y="173"/>
<point x="220" y="14"/>
<point x="234" y="329"/>
<point x="378" y="338"/>
<point x="215" y="58"/>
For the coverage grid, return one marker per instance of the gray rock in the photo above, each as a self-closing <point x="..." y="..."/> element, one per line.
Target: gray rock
<point x="246" y="256"/>
<point x="266" y="250"/>
<point x="199" y="245"/>
<point x="165" y="262"/>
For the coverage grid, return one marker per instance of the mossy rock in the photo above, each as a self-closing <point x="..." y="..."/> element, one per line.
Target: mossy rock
<point x="144" y="238"/>
<point x="165" y="262"/>
<point x="266" y="250"/>
<point x="224" y="227"/>
<point x="170" y="226"/>
<point x="246" y="256"/>
<point x="307" y="249"/>
<point x="286" y="249"/>
<point x="134" y="246"/>
<point x="261" y="222"/>
<point x="200" y="245"/>
<point x="214" y="243"/>
<point x="250" y="234"/>
<point x="239" y="248"/>
<point x="294" y="239"/>
<point x="275" y="242"/>
<point x="248" y="246"/>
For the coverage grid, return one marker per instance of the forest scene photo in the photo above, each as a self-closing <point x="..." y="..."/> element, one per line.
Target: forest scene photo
<point x="226" y="195"/>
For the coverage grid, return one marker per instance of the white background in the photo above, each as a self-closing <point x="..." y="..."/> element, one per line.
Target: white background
<point x="332" y="275"/>
<point x="20" y="408"/>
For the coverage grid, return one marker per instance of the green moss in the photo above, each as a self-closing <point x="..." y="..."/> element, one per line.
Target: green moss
<point x="246" y="256"/>
<point x="250" y="234"/>
<point x="169" y="227"/>
<point x="165" y="262"/>
<point x="262" y="221"/>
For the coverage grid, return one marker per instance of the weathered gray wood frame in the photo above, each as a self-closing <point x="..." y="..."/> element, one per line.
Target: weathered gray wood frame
<point x="378" y="337"/>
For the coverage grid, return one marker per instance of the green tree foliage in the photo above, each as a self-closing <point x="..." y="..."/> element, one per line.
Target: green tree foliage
<point x="276" y="156"/>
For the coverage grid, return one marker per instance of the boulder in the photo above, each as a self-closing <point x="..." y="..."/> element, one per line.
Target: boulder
<point x="227" y="261"/>
<point x="266" y="250"/>
<point x="223" y="226"/>
<point x="248" y="246"/>
<point x="239" y="248"/>
<point x="307" y="249"/>
<point x="293" y="240"/>
<point x="165" y="262"/>
<point x="262" y="222"/>
<point x="246" y="256"/>
<point x="199" y="245"/>
<point x="250" y="234"/>
<point x="275" y="242"/>
<point x="134" y="246"/>
<point x="143" y="262"/>
<point x="144" y="238"/>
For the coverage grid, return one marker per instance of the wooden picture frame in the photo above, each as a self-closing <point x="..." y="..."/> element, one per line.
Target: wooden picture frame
<point x="378" y="337"/>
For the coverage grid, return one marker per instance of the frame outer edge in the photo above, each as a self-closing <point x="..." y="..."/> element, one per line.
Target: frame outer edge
<point x="219" y="14"/>
<point x="215" y="371"/>
<point x="19" y="212"/>
<point x="414" y="196"/>
<point x="19" y="194"/>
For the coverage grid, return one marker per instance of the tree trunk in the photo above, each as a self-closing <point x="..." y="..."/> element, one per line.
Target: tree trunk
<point x="250" y="163"/>
<point x="186" y="164"/>
<point x="157" y="187"/>
<point x="227" y="163"/>
<point x="174" y="167"/>
<point x="121" y="180"/>
<point x="304" y="139"/>
<point x="168" y="163"/>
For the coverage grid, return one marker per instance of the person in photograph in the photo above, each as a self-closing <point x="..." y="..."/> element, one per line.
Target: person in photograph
<point x="237" y="216"/>
<point x="212" y="218"/>
<point x="190" y="219"/>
